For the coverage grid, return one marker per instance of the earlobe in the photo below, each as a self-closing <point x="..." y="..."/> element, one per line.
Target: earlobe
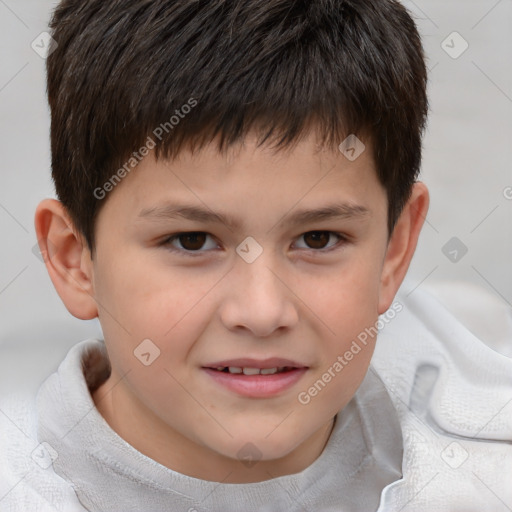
<point x="67" y="259"/>
<point x="402" y="245"/>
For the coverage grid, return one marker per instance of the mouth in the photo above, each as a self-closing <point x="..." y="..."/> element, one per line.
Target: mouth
<point x="256" y="378"/>
<point x="237" y="370"/>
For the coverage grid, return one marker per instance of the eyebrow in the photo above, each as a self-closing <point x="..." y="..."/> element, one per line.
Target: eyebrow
<point x="169" y="211"/>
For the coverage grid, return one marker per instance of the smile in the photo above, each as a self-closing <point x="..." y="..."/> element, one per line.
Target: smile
<point x="256" y="382"/>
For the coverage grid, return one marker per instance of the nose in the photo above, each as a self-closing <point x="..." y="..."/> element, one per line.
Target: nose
<point x="258" y="298"/>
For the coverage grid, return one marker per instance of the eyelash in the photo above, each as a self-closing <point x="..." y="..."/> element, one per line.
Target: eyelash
<point x="343" y="239"/>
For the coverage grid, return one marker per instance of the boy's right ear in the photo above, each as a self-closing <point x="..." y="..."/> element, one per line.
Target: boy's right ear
<point x="67" y="258"/>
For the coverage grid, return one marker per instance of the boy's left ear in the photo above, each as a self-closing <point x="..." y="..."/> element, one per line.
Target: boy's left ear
<point x="402" y="245"/>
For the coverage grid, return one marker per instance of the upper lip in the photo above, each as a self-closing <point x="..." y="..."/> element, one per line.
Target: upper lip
<point x="272" y="362"/>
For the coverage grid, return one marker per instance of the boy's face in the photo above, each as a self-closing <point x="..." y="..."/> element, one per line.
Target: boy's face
<point x="303" y="300"/>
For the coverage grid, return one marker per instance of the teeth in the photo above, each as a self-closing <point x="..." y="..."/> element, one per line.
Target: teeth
<point x="251" y="371"/>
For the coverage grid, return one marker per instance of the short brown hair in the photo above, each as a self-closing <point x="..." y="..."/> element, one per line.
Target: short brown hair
<point x="121" y="68"/>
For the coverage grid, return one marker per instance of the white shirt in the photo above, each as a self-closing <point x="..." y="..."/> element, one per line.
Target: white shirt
<point x="429" y="429"/>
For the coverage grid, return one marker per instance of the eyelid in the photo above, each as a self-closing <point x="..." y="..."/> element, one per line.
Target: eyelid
<point x="343" y="239"/>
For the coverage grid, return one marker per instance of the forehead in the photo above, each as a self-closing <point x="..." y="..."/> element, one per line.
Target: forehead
<point x="213" y="186"/>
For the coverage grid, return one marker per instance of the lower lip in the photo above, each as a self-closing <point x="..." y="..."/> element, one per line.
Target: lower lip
<point x="257" y="386"/>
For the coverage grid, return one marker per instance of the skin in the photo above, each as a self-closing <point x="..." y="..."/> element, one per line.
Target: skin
<point x="294" y="301"/>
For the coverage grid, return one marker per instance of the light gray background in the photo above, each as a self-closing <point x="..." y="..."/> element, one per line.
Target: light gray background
<point x="467" y="166"/>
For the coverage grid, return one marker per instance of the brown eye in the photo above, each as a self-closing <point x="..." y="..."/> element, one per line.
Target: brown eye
<point x="320" y="240"/>
<point x="317" y="239"/>
<point x="190" y="243"/>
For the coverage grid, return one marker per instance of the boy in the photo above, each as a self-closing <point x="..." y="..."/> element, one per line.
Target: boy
<point x="235" y="373"/>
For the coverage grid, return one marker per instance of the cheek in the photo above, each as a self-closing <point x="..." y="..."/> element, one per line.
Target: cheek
<point x="347" y="300"/>
<point x="347" y="306"/>
<point x="148" y="298"/>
